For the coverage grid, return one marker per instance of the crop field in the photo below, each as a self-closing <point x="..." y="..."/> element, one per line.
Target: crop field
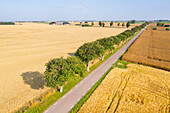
<point x="24" y="50"/>
<point x="137" y="88"/>
<point x="151" y="48"/>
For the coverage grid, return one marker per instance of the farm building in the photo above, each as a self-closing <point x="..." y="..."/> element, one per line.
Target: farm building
<point x="59" y="23"/>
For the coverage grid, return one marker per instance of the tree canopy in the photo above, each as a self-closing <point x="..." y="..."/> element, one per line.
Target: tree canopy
<point x="90" y="51"/>
<point x="60" y="70"/>
<point x="107" y="43"/>
<point x="128" y="24"/>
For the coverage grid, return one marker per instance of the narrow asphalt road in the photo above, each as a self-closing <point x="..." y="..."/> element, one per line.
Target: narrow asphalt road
<point x="69" y="100"/>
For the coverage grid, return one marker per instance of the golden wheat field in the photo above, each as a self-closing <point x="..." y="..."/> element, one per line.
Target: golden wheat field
<point x="151" y="48"/>
<point x="24" y="50"/>
<point x="136" y="89"/>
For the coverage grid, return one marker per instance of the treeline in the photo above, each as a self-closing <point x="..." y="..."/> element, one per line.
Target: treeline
<point x="7" y="23"/>
<point x="60" y="70"/>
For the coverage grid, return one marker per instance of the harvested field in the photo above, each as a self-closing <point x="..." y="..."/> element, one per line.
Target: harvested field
<point x="24" y="50"/>
<point x="151" y="48"/>
<point x="136" y="89"/>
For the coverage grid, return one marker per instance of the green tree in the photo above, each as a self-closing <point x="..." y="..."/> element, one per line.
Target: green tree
<point x="107" y="43"/>
<point x="123" y="24"/>
<point x="111" y="23"/>
<point x="92" y="23"/>
<point x="118" y="24"/>
<point x="100" y="23"/>
<point x="158" y="24"/>
<point x="128" y="24"/>
<point x="103" y="24"/>
<point x="133" y="21"/>
<point x="90" y="51"/>
<point x="60" y="70"/>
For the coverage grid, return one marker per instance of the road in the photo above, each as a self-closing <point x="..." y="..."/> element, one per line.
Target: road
<point x="69" y="100"/>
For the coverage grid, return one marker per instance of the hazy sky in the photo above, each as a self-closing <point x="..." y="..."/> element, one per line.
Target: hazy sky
<point x="49" y="10"/>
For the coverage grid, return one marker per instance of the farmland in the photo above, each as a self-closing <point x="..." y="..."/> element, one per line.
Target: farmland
<point x="136" y="88"/>
<point x="26" y="48"/>
<point x="151" y="48"/>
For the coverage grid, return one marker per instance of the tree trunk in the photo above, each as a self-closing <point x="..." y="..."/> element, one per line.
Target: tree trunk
<point x="118" y="46"/>
<point x="88" y="67"/>
<point x="61" y="89"/>
<point x="103" y="57"/>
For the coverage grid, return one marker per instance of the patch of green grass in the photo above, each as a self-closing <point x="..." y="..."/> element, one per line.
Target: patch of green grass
<point x="45" y="104"/>
<point x="139" y="22"/>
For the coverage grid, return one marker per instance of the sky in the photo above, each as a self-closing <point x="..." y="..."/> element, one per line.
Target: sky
<point x="70" y="10"/>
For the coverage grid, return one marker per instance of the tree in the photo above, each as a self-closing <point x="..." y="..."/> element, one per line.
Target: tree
<point x="92" y="23"/>
<point x="90" y="51"/>
<point x="128" y="24"/>
<point x="59" y="70"/>
<point x="123" y="24"/>
<point x="133" y="21"/>
<point x="158" y="24"/>
<point x="103" y="24"/>
<point x="111" y="23"/>
<point x="107" y="43"/>
<point x="118" y="24"/>
<point x="162" y="24"/>
<point x="100" y="23"/>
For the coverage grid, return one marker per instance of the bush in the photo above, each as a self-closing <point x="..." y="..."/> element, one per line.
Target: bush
<point x="155" y="28"/>
<point x="7" y="23"/>
<point x="86" y="25"/>
<point x="166" y="25"/>
<point x="60" y="70"/>
<point x="121" y="37"/>
<point x="126" y="34"/>
<point x="116" y="40"/>
<point x="135" y="29"/>
<point x="139" y="27"/>
<point x="142" y="26"/>
<point x="107" y="43"/>
<point x="167" y="29"/>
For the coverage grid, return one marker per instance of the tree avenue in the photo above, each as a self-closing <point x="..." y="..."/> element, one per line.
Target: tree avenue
<point x="60" y="70"/>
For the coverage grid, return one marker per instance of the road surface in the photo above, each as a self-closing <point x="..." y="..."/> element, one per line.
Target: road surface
<point x="69" y="100"/>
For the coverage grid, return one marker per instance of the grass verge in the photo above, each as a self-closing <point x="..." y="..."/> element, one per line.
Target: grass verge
<point x="50" y="100"/>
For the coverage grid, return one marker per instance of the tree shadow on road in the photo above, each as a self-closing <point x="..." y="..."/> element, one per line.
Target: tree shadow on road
<point x="34" y="79"/>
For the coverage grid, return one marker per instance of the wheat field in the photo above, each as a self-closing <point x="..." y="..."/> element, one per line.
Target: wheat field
<point x="24" y="50"/>
<point x="151" y="48"/>
<point x="136" y="89"/>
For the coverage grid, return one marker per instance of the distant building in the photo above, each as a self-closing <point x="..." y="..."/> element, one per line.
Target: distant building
<point x="59" y="23"/>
